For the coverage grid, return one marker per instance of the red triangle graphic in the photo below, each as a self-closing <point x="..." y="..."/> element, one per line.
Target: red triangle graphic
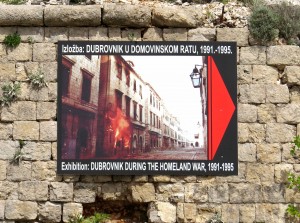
<point x="221" y="111"/>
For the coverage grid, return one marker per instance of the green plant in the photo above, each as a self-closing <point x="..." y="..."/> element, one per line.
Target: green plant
<point x="131" y="37"/>
<point x="263" y="24"/>
<point x="37" y="80"/>
<point x="12" y="40"/>
<point x="96" y="218"/>
<point x="10" y="93"/>
<point x="18" y="156"/>
<point x="217" y="218"/>
<point x="12" y="2"/>
<point x="30" y="40"/>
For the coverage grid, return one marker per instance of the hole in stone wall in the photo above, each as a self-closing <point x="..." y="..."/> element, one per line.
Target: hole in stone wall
<point x="118" y="210"/>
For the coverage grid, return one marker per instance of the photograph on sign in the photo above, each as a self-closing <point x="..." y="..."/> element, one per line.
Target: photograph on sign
<point x="147" y="108"/>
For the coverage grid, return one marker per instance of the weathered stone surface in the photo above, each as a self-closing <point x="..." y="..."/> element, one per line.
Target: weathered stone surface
<point x="241" y="177"/>
<point x="260" y="173"/>
<point x="269" y="153"/>
<point x="277" y="132"/>
<point x="247" y="113"/>
<point x="8" y="190"/>
<point x="20" y="110"/>
<point x="20" y="210"/>
<point x="240" y="35"/>
<point x="175" y="16"/>
<point x="289" y="113"/>
<point x="21" y="71"/>
<point x="126" y="15"/>
<point x="170" y="192"/>
<point x="21" y="15"/>
<point x="281" y="172"/>
<point x="218" y="193"/>
<point x="3" y="165"/>
<point x="186" y="212"/>
<point x="252" y="132"/>
<point x="33" y="191"/>
<point x="293" y="75"/>
<point x="84" y="193"/>
<point x="54" y="150"/>
<point x="61" y="191"/>
<point x="247" y="152"/>
<point x="247" y="213"/>
<point x="50" y="212"/>
<point x="292" y="195"/>
<point x="295" y="94"/>
<point x="48" y="131"/>
<point x="140" y="178"/>
<point x="253" y="93"/>
<point x="65" y="15"/>
<point x="244" y="74"/>
<point x="121" y="178"/>
<point x="71" y="209"/>
<point x="48" y="54"/>
<point x="114" y="33"/>
<point x="8" y="72"/>
<point x="26" y="130"/>
<point x="131" y="35"/>
<point x="19" y="172"/>
<point x="37" y="151"/>
<point x="96" y="179"/>
<point x="5" y="31"/>
<point x="114" y="191"/>
<point x="265" y="74"/>
<point x="8" y="149"/>
<point x="44" y="171"/>
<point x="143" y="192"/>
<point x="46" y="110"/>
<point x="49" y="69"/>
<point x="277" y="93"/>
<point x="202" y="34"/>
<point x="207" y="211"/>
<point x="175" y="34"/>
<point x="163" y="212"/>
<point x="266" y="113"/>
<point x="245" y="193"/>
<point x="253" y="55"/>
<point x="153" y="34"/>
<point x="2" y="208"/>
<point x="98" y="33"/>
<point x="230" y="212"/>
<point x="273" y="193"/>
<point x="286" y="155"/>
<point x="6" y="130"/>
<point x="31" y="34"/>
<point x="277" y="55"/>
<point x="269" y="213"/>
<point x="23" y="52"/>
<point x="195" y="192"/>
<point x="161" y="178"/>
<point x="81" y="33"/>
<point x="54" y="34"/>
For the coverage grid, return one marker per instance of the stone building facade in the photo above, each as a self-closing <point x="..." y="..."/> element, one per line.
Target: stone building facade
<point x="268" y="119"/>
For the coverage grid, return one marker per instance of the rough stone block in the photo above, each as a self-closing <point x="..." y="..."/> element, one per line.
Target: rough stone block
<point x="174" y="16"/>
<point x="19" y="172"/>
<point x="3" y="165"/>
<point x="2" y="208"/>
<point x="247" y="113"/>
<point x="114" y="191"/>
<point x="163" y="212"/>
<point x="21" y="15"/>
<point x="245" y="193"/>
<point x="23" y="52"/>
<point x="33" y="191"/>
<point x="175" y="34"/>
<point x="153" y="34"/>
<point x="143" y="192"/>
<point x="230" y="213"/>
<point x="269" y="213"/>
<point x="266" y="113"/>
<point x="277" y="55"/>
<point x="67" y="15"/>
<point x="31" y="34"/>
<point x="170" y="192"/>
<point x="253" y="55"/>
<point x="46" y="110"/>
<point x="247" y="213"/>
<point x="54" y="34"/>
<point x="61" y="191"/>
<point x="84" y="193"/>
<point x="49" y="70"/>
<point x="252" y="132"/>
<point x="293" y="75"/>
<point x="135" y="16"/>
<point x="202" y="34"/>
<point x="131" y="35"/>
<point x="71" y="209"/>
<point x="161" y="178"/>
<point x="19" y="111"/>
<point x="289" y="113"/>
<point x="272" y="193"/>
<point x="48" y="54"/>
<point x="286" y="154"/>
<point x="143" y="179"/>
<point x="54" y="150"/>
<point x="186" y="212"/>
<point x="240" y="35"/>
<point x="98" y="33"/>
<point x="50" y="212"/>
<point x="253" y="93"/>
<point x="277" y="132"/>
<point x="269" y="153"/>
<point x="195" y="192"/>
<point x="48" y="131"/>
<point x="277" y="93"/>
<point x="21" y="71"/>
<point x="8" y="190"/>
<point x="114" y="33"/>
<point x="37" y="151"/>
<point x="244" y="74"/>
<point x="78" y="33"/>
<point x="218" y="193"/>
<point x="207" y="211"/>
<point x="292" y="196"/>
<point x="8" y="72"/>
<point x="295" y="94"/>
<point x="247" y="152"/>
<point x="26" y="130"/>
<point x="6" y="130"/>
<point x="281" y="172"/>
<point x="20" y="210"/>
<point x="44" y="171"/>
<point x="265" y="74"/>
<point x="8" y="149"/>
<point x="260" y="173"/>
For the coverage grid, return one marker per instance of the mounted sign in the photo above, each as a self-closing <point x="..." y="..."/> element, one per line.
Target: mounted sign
<point x="147" y="108"/>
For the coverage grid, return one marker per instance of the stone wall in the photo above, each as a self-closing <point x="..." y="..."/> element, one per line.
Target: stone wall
<point x="268" y="116"/>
